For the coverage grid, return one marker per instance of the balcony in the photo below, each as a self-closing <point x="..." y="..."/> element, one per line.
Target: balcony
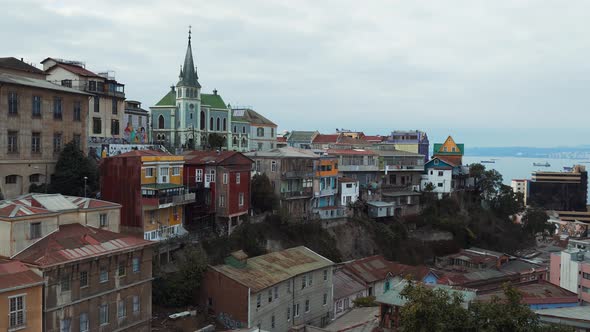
<point x="163" y="195"/>
<point x="297" y="194"/>
<point x="297" y="174"/>
<point x="327" y="192"/>
<point x="358" y="168"/>
<point x="330" y="212"/>
<point x="407" y="168"/>
<point x="164" y="233"/>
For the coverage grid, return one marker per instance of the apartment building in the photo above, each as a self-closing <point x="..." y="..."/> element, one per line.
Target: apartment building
<point x="325" y="203"/>
<point x="272" y="292"/>
<point x="37" y="118"/>
<point x="262" y="135"/>
<point x="414" y="141"/>
<point x="21" y="298"/>
<point x="570" y="269"/>
<point x="562" y="191"/>
<point x="220" y="181"/>
<point x="149" y="185"/>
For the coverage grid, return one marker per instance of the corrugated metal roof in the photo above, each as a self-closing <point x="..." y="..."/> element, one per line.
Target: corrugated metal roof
<point x="37" y="83"/>
<point x="54" y="202"/>
<point x="286" y="152"/>
<point x="16" y="274"/>
<point x="393" y="297"/>
<point x="345" y="284"/>
<point x="578" y="313"/>
<point x="267" y="270"/>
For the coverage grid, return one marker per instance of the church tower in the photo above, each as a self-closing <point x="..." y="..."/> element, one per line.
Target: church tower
<point x="188" y="101"/>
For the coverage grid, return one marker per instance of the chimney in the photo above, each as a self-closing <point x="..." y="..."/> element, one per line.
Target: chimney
<point x="172" y="87"/>
<point x="22" y="60"/>
<point x="215" y="92"/>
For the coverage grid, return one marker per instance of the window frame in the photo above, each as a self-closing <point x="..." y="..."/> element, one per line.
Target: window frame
<point x="103" y="309"/>
<point x="84" y="327"/>
<point x="84" y="276"/>
<point x="16" y="311"/>
<point x="34" y="232"/>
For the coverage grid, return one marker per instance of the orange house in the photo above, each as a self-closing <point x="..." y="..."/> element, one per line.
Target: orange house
<point x="21" y="300"/>
<point x="449" y="151"/>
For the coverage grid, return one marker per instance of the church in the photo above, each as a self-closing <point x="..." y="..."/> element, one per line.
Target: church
<point x="185" y="117"/>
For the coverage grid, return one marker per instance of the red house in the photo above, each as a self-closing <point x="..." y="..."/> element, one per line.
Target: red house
<point x="221" y="181"/>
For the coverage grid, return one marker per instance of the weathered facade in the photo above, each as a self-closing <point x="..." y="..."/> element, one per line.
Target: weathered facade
<point x="104" y="283"/>
<point x="37" y="119"/>
<point x="273" y="292"/>
<point x="21" y="298"/>
<point x="262" y="131"/>
<point x="137" y="120"/>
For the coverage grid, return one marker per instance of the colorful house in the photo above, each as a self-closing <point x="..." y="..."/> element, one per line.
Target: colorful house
<point x="149" y="186"/>
<point x="21" y="298"/>
<point x="449" y="151"/>
<point x="221" y="183"/>
<point x="414" y="141"/>
<point x="326" y="189"/>
<point x="439" y="173"/>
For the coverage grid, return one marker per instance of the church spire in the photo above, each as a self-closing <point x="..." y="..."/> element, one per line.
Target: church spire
<point x="189" y="73"/>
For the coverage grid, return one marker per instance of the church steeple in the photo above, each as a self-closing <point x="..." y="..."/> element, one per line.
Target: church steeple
<point x="188" y="72"/>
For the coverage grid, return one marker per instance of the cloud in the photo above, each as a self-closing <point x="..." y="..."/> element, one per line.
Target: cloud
<point x="452" y="66"/>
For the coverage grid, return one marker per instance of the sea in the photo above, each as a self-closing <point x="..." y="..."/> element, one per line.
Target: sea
<point x="521" y="168"/>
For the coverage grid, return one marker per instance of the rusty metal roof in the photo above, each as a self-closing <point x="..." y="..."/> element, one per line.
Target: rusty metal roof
<point x="76" y="242"/>
<point x="375" y="268"/>
<point x="346" y="284"/>
<point x="267" y="270"/>
<point x="15" y="274"/>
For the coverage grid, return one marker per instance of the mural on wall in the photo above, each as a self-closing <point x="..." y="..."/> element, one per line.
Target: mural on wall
<point x="131" y="135"/>
<point x="109" y="150"/>
<point x="572" y="229"/>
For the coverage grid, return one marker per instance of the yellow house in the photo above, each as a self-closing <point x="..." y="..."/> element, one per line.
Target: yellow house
<point x="21" y="300"/>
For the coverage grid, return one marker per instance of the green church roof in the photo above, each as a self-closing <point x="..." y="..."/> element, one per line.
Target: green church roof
<point x="437" y="147"/>
<point x="168" y="100"/>
<point x="214" y="101"/>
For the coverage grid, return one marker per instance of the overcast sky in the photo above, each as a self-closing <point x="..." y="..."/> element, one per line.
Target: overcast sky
<point x="491" y="73"/>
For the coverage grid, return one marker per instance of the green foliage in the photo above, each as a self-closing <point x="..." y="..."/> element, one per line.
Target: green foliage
<point x="490" y="184"/>
<point x="263" y="196"/>
<point x="179" y="288"/>
<point x="536" y="221"/>
<point x="506" y="203"/>
<point x="367" y="301"/>
<point x="70" y="170"/>
<point x="215" y="141"/>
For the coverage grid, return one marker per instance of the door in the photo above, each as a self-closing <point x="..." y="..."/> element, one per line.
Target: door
<point x="163" y="175"/>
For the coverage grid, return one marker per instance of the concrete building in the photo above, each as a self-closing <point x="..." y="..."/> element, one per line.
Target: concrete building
<point x="347" y="288"/>
<point x="359" y="164"/>
<point x="291" y="172"/>
<point x="562" y="191"/>
<point x="185" y="117"/>
<point x="414" y="141"/>
<point x="221" y="184"/>
<point x="137" y="123"/>
<point x="149" y="185"/>
<point x="348" y="191"/>
<point x="439" y="173"/>
<point x="520" y="186"/>
<point x="25" y="220"/>
<point x="37" y="118"/>
<point x="261" y="134"/>
<point x="105" y="107"/>
<point x="94" y="279"/>
<point x="21" y="298"/>
<point x="273" y="292"/>
<point x="301" y="139"/>
<point x="325" y="186"/>
<point x="570" y="269"/>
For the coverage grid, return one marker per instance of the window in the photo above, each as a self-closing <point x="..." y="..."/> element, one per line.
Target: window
<point x="325" y="275"/>
<point x="175" y="171"/>
<point x="57" y="110"/>
<point x="445" y="149"/>
<point x="225" y="176"/>
<point x="349" y="185"/>
<point x="273" y="166"/>
<point x="103" y="220"/>
<point x="12" y="103"/>
<point x="96" y="104"/>
<point x="269" y="295"/>
<point x="296" y="310"/>
<point x="34" y="178"/>
<point x="77" y="111"/>
<point x="56" y="142"/>
<point x="114" y="106"/>
<point x="325" y="298"/>
<point x="243" y="130"/>
<point x="303" y="282"/>
<point x="17" y="311"/>
<point x="67" y="83"/>
<point x="260" y="146"/>
<point x="92" y="85"/>
<point x="211" y="123"/>
<point x="65" y="325"/>
<point x="135" y="263"/>
<point x="84" y="322"/>
<point x="224" y="124"/>
<point x="258" y="300"/>
<point x="272" y="132"/>
<point x="12" y="141"/>
<point x="121" y="269"/>
<point x="199" y="175"/>
<point x="272" y="321"/>
<point x="121" y="310"/>
<point x="586" y="275"/>
<point x="114" y="127"/>
<point x="440" y="184"/>
<point x="65" y="283"/>
<point x="440" y="173"/>
<point x="83" y="279"/>
<point x="237" y="178"/>
<point x="218" y="125"/>
<point x="310" y="279"/>
<point x="257" y="165"/>
<point x="161" y="123"/>
<point x="149" y="172"/>
<point x="35" y="230"/>
<point x="36" y="142"/>
<point x="276" y="292"/>
<point x="103" y="314"/>
<point x="100" y="86"/>
<point x="36" y="111"/>
<point x="288" y="313"/>
<point x="136" y="304"/>
<point x="10" y="179"/>
<point x="307" y="305"/>
<point x="96" y="125"/>
<point x="260" y="132"/>
<point x="222" y="200"/>
<point x="241" y="199"/>
<point x="104" y="274"/>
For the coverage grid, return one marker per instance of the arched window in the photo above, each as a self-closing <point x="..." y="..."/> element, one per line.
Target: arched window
<point x="224" y="124"/>
<point x="235" y="141"/>
<point x="191" y="114"/>
<point x="243" y="130"/>
<point x="244" y="142"/>
<point x="211" y="123"/>
<point x="202" y="120"/>
<point x="218" y="124"/>
<point x="161" y="121"/>
<point x="224" y="141"/>
<point x="235" y="129"/>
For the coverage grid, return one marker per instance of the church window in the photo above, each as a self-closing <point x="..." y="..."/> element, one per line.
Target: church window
<point x="243" y="130"/>
<point x="161" y="122"/>
<point x="224" y="124"/>
<point x="191" y="115"/>
<point x="180" y="93"/>
<point x="202" y="120"/>
<point x="211" y="123"/>
<point x="235" y="141"/>
<point x="218" y="124"/>
<point x="235" y="129"/>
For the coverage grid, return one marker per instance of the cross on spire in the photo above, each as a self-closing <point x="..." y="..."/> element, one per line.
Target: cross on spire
<point x="189" y="32"/>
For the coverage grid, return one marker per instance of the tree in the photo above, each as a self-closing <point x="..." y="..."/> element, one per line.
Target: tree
<point x="490" y="184"/>
<point x="506" y="202"/>
<point x="263" y="195"/>
<point x="216" y="141"/>
<point x="476" y="171"/>
<point x="536" y="221"/>
<point x="71" y="169"/>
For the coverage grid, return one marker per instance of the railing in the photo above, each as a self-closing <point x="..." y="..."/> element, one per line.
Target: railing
<point x="297" y="174"/>
<point x="391" y="168"/>
<point x="327" y="192"/>
<point x="330" y="212"/>
<point x="359" y="168"/>
<point x="297" y="193"/>
<point x="170" y="199"/>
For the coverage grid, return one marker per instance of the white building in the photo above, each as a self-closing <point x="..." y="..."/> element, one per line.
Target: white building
<point x="440" y="177"/>
<point x="349" y="190"/>
<point x="520" y="186"/>
<point x="258" y="130"/>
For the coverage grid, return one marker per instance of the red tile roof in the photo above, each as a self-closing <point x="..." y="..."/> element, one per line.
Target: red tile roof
<point x="74" y="69"/>
<point x="15" y="274"/>
<point x="376" y="138"/>
<point x="75" y="242"/>
<point x="27" y="205"/>
<point x="326" y="138"/>
<point x="9" y="209"/>
<point x="212" y="157"/>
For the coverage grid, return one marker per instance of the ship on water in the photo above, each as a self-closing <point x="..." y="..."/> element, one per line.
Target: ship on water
<point x="488" y="161"/>
<point x="545" y="164"/>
